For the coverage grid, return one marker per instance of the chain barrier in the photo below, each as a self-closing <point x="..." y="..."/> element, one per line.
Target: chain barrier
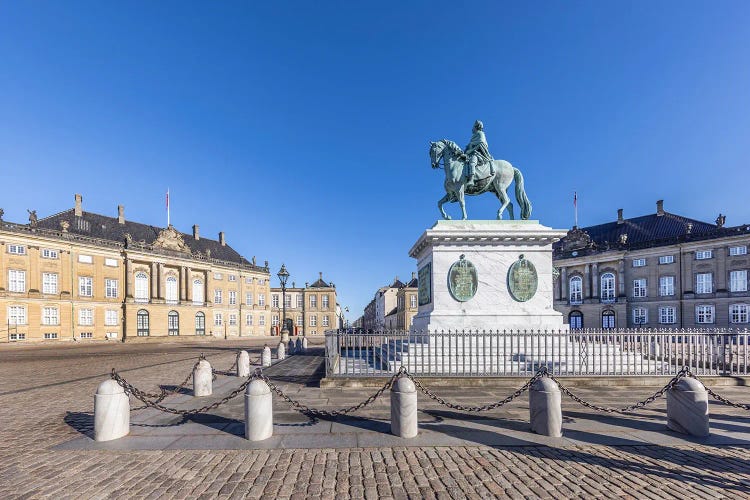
<point x="228" y="372"/>
<point x="491" y="406"/>
<point x="719" y="397"/>
<point x="158" y="398"/>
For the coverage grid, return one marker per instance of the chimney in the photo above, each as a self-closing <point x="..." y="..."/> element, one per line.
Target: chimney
<point x="413" y="274"/>
<point x="221" y="239"/>
<point x="196" y="232"/>
<point x="620" y="220"/>
<point x="660" y="207"/>
<point x="320" y="274"/>
<point x="120" y="214"/>
<point x="79" y="210"/>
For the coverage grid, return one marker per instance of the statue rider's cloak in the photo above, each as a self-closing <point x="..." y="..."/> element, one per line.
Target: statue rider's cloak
<point x="478" y="145"/>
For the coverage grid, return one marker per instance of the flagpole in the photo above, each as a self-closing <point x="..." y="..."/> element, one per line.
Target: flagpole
<point x="168" y="224"/>
<point x="575" y="206"/>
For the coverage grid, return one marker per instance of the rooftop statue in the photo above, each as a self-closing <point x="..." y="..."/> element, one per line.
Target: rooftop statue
<point x="473" y="171"/>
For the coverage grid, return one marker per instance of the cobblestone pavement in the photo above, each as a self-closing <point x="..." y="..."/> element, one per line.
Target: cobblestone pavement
<point x="46" y="400"/>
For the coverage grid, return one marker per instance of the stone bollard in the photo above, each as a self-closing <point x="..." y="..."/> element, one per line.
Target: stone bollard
<point x="111" y="412"/>
<point x="290" y="349"/>
<point x="285" y="335"/>
<point x="404" y="408"/>
<point x="304" y="344"/>
<point x="687" y="408"/>
<point x="265" y="358"/>
<point x="202" y="379"/>
<point x="281" y="351"/>
<point x="545" y="408"/>
<point x="243" y="364"/>
<point x="298" y="346"/>
<point x="258" y="411"/>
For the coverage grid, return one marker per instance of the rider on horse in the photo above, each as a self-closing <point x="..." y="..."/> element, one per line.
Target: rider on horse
<point x="477" y="152"/>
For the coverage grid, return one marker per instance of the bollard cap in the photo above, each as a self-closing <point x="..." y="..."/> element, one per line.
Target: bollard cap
<point x="266" y="348"/>
<point x="545" y="384"/>
<point x="203" y="365"/>
<point x="243" y="355"/>
<point x="109" y="388"/>
<point x="403" y="384"/>
<point x="257" y="388"/>
<point x="689" y="384"/>
<point x="282" y="345"/>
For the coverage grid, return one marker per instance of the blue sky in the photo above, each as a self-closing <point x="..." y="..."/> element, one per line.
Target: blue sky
<point x="301" y="129"/>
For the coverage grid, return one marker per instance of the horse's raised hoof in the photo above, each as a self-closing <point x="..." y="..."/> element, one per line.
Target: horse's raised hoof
<point x="447" y="217"/>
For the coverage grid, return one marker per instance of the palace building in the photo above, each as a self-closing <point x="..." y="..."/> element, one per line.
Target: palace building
<point x="655" y="271"/>
<point x="309" y="311"/>
<point x="80" y="275"/>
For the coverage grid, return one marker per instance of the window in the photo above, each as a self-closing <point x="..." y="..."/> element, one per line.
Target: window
<point x="261" y="299"/>
<point x="741" y="250"/>
<point x="232" y="297"/>
<point x="412" y="301"/>
<point x="232" y="277"/>
<point x="288" y="301"/>
<point x="48" y="253"/>
<point x="85" y="259"/>
<point x="17" y="336"/>
<point x="703" y="283"/>
<point x="17" y="249"/>
<point x="704" y="314"/>
<point x="666" y="259"/>
<point x="704" y="254"/>
<point x="85" y="286"/>
<point x="16" y="281"/>
<point x="738" y="313"/>
<point x="738" y="281"/>
<point x="275" y="320"/>
<point x="141" y="287"/>
<point x="608" y="319"/>
<point x="313" y="320"/>
<point x="249" y="319"/>
<point x="325" y="301"/>
<point x="217" y="296"/>
<point x="170" y="292"/>
<point x="640" y="316"/>
<point x="667" y="315"/>
<point x="86" y="335"/>
<point x="142" y="324"/>
<point x="608" y="288"/>
<point x="325" y="320"/>
<point x="173" y="323"/>
<point x="639" y="262"/>
<point x="666" y="286"/>
<point x="50" y="335"/>
<point x="49" y="283"/>
<point x="576" y="320"/>
<point x="275" y="300"/>
<point x="313" y="301"/>
<point x="261" y="281"/>
<point x="200" y="323"/>
<point x="232" y="320"/>
<point x="262" y="320"/>
<point x="50" y="316"/>
<point x="249" y="281"/>
<point x="640" y="288"/>
<point x="86" y="317"/>
<point x="110" y="262"/>
<point x="82" y="225"/>
<point x="218" y="276"/>
<point x="197" y="292"/>
<point x="111" y="317"/>
<point x="300" y="301"/>
<point x="576" y="290"/>
<point x="16" y="315"/>
<point x="299" y="321"/>
<point x="110" y="288"/>
<point x="218" y="319"/>
<point x="249" y="298"/>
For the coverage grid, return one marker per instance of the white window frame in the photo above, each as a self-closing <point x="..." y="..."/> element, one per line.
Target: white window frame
<point x="640" y="313"/>
<point x="313" y="301"/>
<point x="313" y="320"/>
<point x="288" y="301"/>
<point x="248" y="281"/>
<point x="86" y="335"/>
<point x="607" y="294"/>
<point x="412" y="301"/>
<point x="232" y="277"/>
<point x="666" y="286"/>
<point x="262" y="320"/>
<point x="50" y="316"/>
<point x="275" y="320"/>
<point x="639" y="262"/>
<point x="738" y="250"/>
<point x="324" y="302"/>
<point x="738" y="280"/>
<point x="17" y="249"/>
<point x="232" y="320"/>
<point x="232" y="297"/>
<point x="17" y="336"/>
<point x="17" y="315"/>
<point x="704" y="314"/>
<point x="111" y="288"/>
<point x="50" y="335"/>
<point x="300" y="301"/>
<point x="111" y="263"/>
<point x="16" y="281"/>
<point x="275" y="300"/>
<point x="666" y="259"/>
<point x="300" y="320"/>
<point x="111" y="317"/>
<point x="667" y="315"/>
<point x="249" y="298"/>
<point x="326" y="321"/>
<point x="85" y="286"/>
<point x="86" y="317"/>
<point x="218" y="276"/>
<point x="141" y="287"/>
<point x="738" y="313"/>
<point x="704" y="254"/>
<point x="49" y="283"/>
<point x="248" y="320"/>
<point x="640" y="287"/>
<point x="704" y="283"/>
<point x="576" y="292"/>
<point x="218" y="298"/>
<point x="198" y="292"/>
<point x="262" y="299"/>
<point x="50" y="253"/>
<point x="171" y="290"/>
<point x="218" y="319"/>
<point x="85" y="259"/>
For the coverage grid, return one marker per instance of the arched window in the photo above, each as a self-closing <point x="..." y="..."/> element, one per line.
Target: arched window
<point x="575" y="318"/>
<point x="173" y="323"/>
<point x="142" y="323"/>
<point x="608" y="319"/>
<point x="200" y="323"/>
<point x="171" y="291"/>
<point x="576" y="290"/>
<point x="608" y="287"/>
<point x="198" y="294"/>
<point x="141" y="287"/>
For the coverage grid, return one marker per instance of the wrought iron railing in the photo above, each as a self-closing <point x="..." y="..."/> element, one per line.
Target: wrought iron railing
<point x="603" y="352"/>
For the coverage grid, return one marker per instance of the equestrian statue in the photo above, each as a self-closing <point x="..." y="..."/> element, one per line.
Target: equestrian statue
<point x="472" y="171"/>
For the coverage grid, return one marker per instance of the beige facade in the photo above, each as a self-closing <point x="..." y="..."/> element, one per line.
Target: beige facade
<point x="406" y="304"/>
<point x="311" y="309"/>
<point x="69" y="277"/>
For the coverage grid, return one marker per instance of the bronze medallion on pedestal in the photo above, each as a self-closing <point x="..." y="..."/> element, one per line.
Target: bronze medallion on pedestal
<point x="522" y="279"/>
<point x="462" y="280"/>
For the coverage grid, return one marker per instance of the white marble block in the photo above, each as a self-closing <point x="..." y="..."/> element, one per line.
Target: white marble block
<point x="258" y="411"/>
<point x="304" y="344"/>
<point x="687" y="408"/>
<point x="243" y="364"/>
<point x="111" y="412"/>
<point x="265" y="357"/>
<point x="281" y="351"/>
<point x="202" y="379"/>
<point x="404" y="408"/>
<point x="545" y="408"/>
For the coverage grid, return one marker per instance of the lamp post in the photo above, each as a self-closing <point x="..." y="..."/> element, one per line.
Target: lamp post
<point x="283" y="275"/>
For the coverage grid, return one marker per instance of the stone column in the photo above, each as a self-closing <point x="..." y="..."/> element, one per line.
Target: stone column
<point x="128" y="278"/>
<point x="205" y="287"/>
<point x="587" y="281"/>
<point x="621" y="279"/>
<point x="160" y="285"/>
<point x="564" y="283"/>
<point x="188" y="284"/>
<point x="595" y="280"/>
<point x="154" y="281"/>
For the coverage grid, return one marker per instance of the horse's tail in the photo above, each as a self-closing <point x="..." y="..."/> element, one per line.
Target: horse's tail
<point x="521" y="197"/>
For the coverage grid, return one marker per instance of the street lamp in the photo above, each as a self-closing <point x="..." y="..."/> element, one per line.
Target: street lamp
<point x="283" y="275"/>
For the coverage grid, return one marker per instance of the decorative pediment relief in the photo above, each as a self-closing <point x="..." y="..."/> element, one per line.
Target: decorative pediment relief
<point x="171" y="239"/>
<point x="576" y="239"/>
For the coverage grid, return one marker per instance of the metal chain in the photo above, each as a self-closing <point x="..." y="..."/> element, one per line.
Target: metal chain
<point x="226" y="372"/>
<point x="682" y="373"/>
<point x="158" y="398"/>
<point x="491" y="406"/>
<point x="314" y="412"/>
<point x="719" y="397"/>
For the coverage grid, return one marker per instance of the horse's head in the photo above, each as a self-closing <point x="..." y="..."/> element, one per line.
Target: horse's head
<point x="436" y="151"/>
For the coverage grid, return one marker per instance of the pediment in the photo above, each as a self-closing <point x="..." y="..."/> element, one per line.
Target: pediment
<point x="171" y="239"/>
